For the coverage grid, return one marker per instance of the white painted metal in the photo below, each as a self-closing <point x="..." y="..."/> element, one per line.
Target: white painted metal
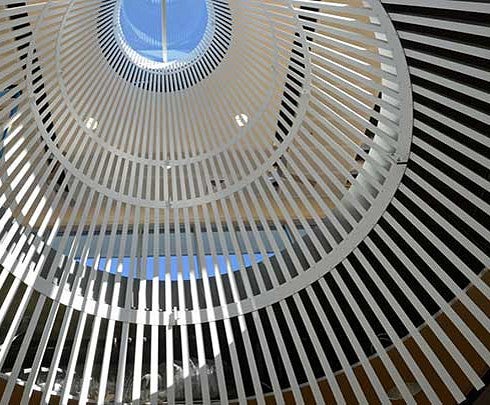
<point x="321" y="248"/>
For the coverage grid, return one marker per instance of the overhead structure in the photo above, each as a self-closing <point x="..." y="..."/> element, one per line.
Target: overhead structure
<point x="222" y="201"/>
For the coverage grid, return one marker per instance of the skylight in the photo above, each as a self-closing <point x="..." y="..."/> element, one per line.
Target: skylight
<point x="163" y="31"/>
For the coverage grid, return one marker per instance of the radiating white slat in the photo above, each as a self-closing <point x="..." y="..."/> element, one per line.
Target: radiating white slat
<point x="173" y="172"/>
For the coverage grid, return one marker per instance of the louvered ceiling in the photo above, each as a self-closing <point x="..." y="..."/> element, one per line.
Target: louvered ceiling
<point x="332" y="246"/>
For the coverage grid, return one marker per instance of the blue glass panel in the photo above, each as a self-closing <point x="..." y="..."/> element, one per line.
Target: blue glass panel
<point x="186" y="25"/>
<point x="141" y="24"/>
<point x="174" y="265"/>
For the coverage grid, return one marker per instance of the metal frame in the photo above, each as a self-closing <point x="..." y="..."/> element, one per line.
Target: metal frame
<point x="377" y="288"/>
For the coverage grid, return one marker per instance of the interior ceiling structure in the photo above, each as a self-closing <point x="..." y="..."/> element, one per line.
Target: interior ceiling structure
<point x="294" y="211"/>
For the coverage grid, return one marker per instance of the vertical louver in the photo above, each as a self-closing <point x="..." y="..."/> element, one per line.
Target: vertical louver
<point x="300" y="215"/>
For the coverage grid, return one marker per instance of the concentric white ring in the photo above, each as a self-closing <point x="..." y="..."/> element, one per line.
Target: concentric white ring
<point x="392" y="152"/>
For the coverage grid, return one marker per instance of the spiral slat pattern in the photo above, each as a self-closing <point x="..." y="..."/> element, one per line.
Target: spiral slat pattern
<point x="298" y="212"/>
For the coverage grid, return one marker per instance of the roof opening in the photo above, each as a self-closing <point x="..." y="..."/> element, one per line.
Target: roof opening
<point x="163" y="31"/>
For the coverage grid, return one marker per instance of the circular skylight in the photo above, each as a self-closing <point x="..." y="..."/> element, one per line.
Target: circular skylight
<point x="157" y="33"/>
<point x="307" y="224"/>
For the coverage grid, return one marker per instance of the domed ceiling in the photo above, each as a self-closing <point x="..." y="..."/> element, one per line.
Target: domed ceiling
<point x="234" y="200"/>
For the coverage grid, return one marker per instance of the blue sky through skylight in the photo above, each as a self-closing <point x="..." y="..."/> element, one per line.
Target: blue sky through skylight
<point x="185" y="265"/>
<point x="141" y="24"/>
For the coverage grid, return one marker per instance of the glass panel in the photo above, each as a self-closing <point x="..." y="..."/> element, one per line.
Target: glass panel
<point x="141" y="24"/>
<point x="174" y="265"/>
<point x="186" y="25"/>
